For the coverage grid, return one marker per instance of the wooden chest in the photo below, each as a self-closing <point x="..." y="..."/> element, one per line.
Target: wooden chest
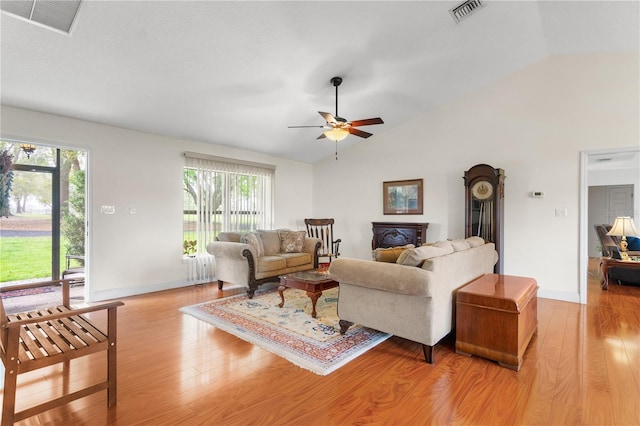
<point x="496" y="317"/>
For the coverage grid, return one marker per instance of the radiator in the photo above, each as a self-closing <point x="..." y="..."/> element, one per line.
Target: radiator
<point x="200" y="268"/>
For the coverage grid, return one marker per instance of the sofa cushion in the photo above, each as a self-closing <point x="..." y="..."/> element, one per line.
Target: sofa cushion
<point x="254" y="240"/>
<point x="389" y="254"/>
<point x="475" y="241"/>
<point x="460" y="245"/>
<point x="271" y="263"/>
<point x="270" y="242"/>
<point x="415" y="257"/>
<point x="444" y="244"/>
<point x="296" y="259"/>
<point x="292" y="241"/>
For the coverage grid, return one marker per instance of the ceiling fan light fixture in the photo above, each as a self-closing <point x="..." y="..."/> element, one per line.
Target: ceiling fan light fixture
<point x="336" y="134"/>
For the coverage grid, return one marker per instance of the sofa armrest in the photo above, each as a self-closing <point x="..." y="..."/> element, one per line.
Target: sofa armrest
<point x="230" y="250"/>
<point x="389" y="277"/>
<point x="312" y="246"/>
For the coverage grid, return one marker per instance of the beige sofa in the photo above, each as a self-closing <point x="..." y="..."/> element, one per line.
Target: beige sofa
<point x="252" y="259"/>
<point x="414" y="300"/>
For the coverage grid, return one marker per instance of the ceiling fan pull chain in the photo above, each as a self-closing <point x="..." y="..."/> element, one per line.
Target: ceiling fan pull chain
<point x="336" y="150"/>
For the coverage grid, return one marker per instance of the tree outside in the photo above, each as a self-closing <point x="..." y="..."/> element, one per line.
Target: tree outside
<point x="73" y="214"/>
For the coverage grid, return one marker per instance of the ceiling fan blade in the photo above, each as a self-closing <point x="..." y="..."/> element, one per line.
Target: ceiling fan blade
<point x="322" y="136"/>
<point x="300" y="127"/>
<point x="360" y="133"/>
<point x="328" y="117"/>
<point x="367" y="122"/>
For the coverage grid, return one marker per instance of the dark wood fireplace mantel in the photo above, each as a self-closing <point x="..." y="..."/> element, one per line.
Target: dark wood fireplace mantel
<point x="394" y="234"/>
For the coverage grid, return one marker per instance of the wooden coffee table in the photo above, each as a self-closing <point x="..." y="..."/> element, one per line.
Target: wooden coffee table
<point x="313" y="282"/>
<point x="608" y="263"/>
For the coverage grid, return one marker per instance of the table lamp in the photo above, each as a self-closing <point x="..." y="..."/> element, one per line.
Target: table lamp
<point x="623" y="227"/>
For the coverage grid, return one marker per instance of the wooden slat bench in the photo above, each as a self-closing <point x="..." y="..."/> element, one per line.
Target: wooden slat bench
<point x="36" y="339"/>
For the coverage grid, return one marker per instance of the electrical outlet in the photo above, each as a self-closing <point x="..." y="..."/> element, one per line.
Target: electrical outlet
<point x="108" y="209"/>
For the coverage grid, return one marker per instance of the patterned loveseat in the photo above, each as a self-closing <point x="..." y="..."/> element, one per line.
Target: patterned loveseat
<point x="254" y="258"/>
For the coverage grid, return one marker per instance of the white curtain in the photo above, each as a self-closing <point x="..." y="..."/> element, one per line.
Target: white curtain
<point x="229" y="195"/>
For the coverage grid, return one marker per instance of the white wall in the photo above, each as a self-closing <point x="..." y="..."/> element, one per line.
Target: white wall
<point x="533" y="124"/>
<point x="133" y="254"/>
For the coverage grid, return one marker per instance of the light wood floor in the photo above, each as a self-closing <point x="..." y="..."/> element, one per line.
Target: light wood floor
<point x="582" y="367"/>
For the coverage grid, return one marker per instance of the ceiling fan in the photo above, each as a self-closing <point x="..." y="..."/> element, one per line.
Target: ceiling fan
<point x="339" y="128"/>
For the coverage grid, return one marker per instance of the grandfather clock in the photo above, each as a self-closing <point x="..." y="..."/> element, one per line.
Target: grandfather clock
<point x="484" y="206"/>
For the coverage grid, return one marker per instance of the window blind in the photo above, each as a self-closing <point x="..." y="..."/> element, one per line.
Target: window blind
<point x="225" y="195"/>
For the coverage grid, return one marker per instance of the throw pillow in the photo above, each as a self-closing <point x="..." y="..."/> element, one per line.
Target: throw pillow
<point x="403" y="256"/>
<point x="292" y="241"/>
<point x="633" y="243"/>
<point x="390" y="254"/>
<point x="270" y="242"/>
<point x="415" y="257"/>
<point x="254" y="240"/>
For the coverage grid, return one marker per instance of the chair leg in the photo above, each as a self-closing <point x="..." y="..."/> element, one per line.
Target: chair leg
<point x="9" y="397"/>
<point x="10" y="377"/>
<point x="428" y="353"/>
<point x="112" y="354"/>
<point x="220" y="282"/>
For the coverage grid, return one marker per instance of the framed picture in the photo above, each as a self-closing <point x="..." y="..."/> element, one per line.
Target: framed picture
<point x="402" y="196"/>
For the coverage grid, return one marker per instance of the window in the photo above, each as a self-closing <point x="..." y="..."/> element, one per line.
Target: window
<point x="222" y="194"/>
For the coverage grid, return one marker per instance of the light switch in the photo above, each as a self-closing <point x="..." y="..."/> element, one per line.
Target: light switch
<point x="561" y="212"/>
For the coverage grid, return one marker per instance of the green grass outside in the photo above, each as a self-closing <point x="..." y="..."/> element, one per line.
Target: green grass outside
<point x="23" y="258"/>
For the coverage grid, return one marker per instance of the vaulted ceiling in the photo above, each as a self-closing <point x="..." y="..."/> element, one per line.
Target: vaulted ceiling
<point x="238" y="73"/>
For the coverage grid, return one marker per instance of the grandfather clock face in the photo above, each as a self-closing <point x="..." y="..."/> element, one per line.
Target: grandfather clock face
<point x="482" y="190"/>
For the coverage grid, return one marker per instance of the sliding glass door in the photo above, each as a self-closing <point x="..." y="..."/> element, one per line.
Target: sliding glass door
<point x="43" y="232"/>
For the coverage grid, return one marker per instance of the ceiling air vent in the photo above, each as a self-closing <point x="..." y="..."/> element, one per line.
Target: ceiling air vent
<point x="465" y="9"/>
<point x="55" y="14"/>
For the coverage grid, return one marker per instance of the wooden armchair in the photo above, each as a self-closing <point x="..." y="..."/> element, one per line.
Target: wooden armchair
<point x="37" y="339"/>
<point x="323" y="229"/>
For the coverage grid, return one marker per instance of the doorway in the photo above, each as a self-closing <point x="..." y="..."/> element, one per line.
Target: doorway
<point x="609" y="177"/>
<point x="43" y="231"/>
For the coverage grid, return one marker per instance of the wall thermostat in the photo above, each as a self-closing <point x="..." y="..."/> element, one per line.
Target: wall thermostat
<point x="537" y="194"/>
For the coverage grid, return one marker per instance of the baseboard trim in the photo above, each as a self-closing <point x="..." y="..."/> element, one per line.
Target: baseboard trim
<point x="559" y="295"/>
<point x="118" y="293"/>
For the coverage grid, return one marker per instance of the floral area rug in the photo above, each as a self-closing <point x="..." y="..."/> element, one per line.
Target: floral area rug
<point x="290" y="332"/>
